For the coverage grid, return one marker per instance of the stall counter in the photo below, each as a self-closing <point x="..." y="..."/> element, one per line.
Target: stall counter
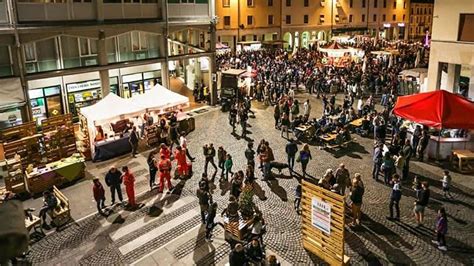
<point x="112" y="147"/>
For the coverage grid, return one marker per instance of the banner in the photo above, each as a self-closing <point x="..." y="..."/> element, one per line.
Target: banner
<point x="321" y="215"/>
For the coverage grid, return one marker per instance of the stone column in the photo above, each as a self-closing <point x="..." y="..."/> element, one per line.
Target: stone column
<point x="102" y="56"/>
<point x="454" y="72"/>
<point x="163" y="44"/>
<point x="470" y="93"/>
<point x="212" y="64"/>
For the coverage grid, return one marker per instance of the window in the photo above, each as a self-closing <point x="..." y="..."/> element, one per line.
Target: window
<point x="384" y="18"/>
<point x="288" y="19"/>
<point x="429" y="11"/>
<point x="87" y="47"/>
<point x="395" y="4"/>
<point x="226" y="20"/>
<point x="384" y="3"/>
<point x="351" y="3"/>
<point x="425" y="11"/>
<point x="321" y="18"/>
<point x="270" y="2"/>
<point x="270" y="19"/>
<point x="363" y="3"/>
<point x="250" y="3"/>
<point x="30" y="53"/>
<point x="466" y="32"/>
<point x="226" y="3"/>
<point x="5" y="63"/>
<point x="323" y="3"/>
<point x="376" y="3"/>
<point x="306" y="19"/>
<point x="404" y="16"/>
<point x="306" y="3"/>
<point x="412" y="11"/>
<point x="288" y="2"/>
<point x="249" y="20"/>
<point x="363" y="18"/>
<point x="350" y="18"/>
<point x="404" y="4"/>
<point x="394" y="17"/>
<point x="375" y="18"/>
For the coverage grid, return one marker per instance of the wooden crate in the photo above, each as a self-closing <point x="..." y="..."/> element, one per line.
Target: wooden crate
<point x="18" y="132"/>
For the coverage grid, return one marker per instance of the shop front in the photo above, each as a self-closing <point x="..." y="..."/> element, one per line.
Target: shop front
<point x="12" y="102"/>
<point x="138" y="83"/>
<point x="46" y="102"/>
<point x="82" y="94"/>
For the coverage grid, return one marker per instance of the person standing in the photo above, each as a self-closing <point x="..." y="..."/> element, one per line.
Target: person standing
<point x="183" y="142"/>
<point x="306" y="110"/>
<point x="304" y="157"/>
<point x="416" y="137"/>
<point x="113" y="179"/>
<point x="421" y="203"/>
<point x="285" y="124"/>
<point x="243" y="122"/>
<point x="99" y="195"/>
<point x="357" y="193"/>
<point x="228" y="166"/>
<point x="133" y="139"/>
<point x="221" y="157"/>
<point x="395" y="197"/>
<point x="205" y="199"/>
<point x="153" y="169"/>
<point x="210" y="153"/>
<point x="233" y="117"/>
<point x="276" y="114"/>
<point x="250" y="154"/>
<point x="446" y="183"/>
<point x="269" y="157"/>
<point x="237" y="256"/>
<point x="343" y="179"/>
<point x="377" y="160"/>
<point x="407" y="153"/>
<point x="441" y="230"/>
<point x="165" y="173"/>
<point x="180" y="157"/>
<point x="164" y="151"/>
<point x="129" y="182"/>
<point x="388" y="166"/>
<point x="210" y="224"/>
<point x="424" y="141"/>
<point x="298" y="194"/>
<point x="291" y="149"/>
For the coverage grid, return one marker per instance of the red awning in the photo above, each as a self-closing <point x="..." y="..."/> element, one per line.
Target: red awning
<point x="438" y="109"/>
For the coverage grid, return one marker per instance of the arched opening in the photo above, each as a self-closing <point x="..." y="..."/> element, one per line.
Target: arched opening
<point x="288" y="40"/>
<point x="322" y="35"/>
<point x="305" y="39"/>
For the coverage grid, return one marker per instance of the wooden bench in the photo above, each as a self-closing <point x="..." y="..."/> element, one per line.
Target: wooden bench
<point x="339" y="146"/>
<point x="238" y="228"/>
<point x="62" y="213"/>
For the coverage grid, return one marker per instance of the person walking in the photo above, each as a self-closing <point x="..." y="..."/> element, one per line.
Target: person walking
<point x="291" y="149"/>
<point x="243" y="122"/>
<point x="377" y="160"/>
<point x="343" y="179"/>
<point x="152" y="168"/>
<point x="99" y="195"/>
<point x="228" y="166"/>
<point x="182" y="164"/>
<point x="441" y="230"/>
<point x="395" y="197"/>
<point x="210" y="224"/>
<point x="269" y="157"/>
<point x="357" y="193"/>
<point x="221" y="157"/>
<point x="209" y="154"/>
<point x="388" y="166"/>
<point x="129" y="182"/>
<point x="276" y="114"/>
<point x="304" y="157"/>
<point x="165" y="174"/>
<point x="205" y="200"/>
<point x="250" y="154"/>
<point x="407" y="153"/>
<point x="113" y="179"/>
<point x="285" y="124"/>
<point x="298" y="194"/>
<point x="133" y="139"/>
<point x="183" y="142"/>
<point x="446" y="184"/>
<point x="306" y="110"/>
<point x="421" y="203"/>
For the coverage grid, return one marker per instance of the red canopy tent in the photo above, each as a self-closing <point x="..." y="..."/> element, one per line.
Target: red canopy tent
<point x="438" y="109"/>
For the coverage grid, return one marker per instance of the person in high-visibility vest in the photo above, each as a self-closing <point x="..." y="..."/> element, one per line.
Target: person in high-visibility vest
<point x="165" y="170"/>
<point x="165" y="151"/>
<point x="180" y="157"/>
<point x="129" y="182"/>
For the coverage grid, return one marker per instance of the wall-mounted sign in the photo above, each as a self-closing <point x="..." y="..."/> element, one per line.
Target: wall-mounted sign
<point x="321" y="215"/>
<point x="86" y="85"/>
<point x="387" y="25"/>
<point x="401" y="24"/>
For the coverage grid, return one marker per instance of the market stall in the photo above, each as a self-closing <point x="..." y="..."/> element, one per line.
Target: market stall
<point x="105" y="125"/>
<point x="448" y="115"/>
<point x="413" y="81"/>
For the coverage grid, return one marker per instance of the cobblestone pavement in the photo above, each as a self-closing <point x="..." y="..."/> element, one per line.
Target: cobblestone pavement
<point x="167" y="229"/>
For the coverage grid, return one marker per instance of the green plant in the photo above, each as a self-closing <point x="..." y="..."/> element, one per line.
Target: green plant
<point x="246" y="203"/>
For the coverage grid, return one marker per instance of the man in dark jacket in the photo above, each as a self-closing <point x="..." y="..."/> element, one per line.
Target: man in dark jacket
<point x="113" y="179"/>
<point x="407" y="153"/>
<point x="377" y="160"/>
<point x="205" y="200"/>
<point x="250" y="155"/>
<point x="395" y="197"/>
<point x="254" y="252"/>
<point x="133" y="139"/>
<point x="237" y="256"/>
<point x="291" y="150"/>
<point x="210" y="153"/>
<point x="421" y="203"/>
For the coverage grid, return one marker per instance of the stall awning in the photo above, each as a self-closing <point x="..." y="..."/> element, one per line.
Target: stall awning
<point x="110" y="107"/>
<point x="159" y="98"/>
<point x="438" y="109"/>
<point x="11" y="92"/>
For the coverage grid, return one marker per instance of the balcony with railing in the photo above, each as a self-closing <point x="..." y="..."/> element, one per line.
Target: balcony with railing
<point x="182" y="10"/>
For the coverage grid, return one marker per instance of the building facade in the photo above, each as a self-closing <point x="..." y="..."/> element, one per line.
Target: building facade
<point x="57" y="56"/>
<point x="452" y="47"/>
<point x="421" y="18"/>
<point x="301" y="22"/>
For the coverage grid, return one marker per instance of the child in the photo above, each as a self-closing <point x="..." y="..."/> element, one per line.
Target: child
<point x="211" y="215"/>
<point x="228" y="166"/>
<point x="297" y="198"/>
<point x="441" y="230"/>
<point x="446" y="184"/>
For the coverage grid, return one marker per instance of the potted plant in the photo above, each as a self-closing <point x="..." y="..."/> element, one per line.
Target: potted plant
<point x="246" y="204"/>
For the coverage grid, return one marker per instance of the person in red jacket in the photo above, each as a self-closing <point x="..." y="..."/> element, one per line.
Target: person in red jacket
<point x="180" y="157"/>
<point x="99" y="194"/>
<point x="165" y="151"/>
<point x="165" y="170"/>
<point x="129" y="182"/>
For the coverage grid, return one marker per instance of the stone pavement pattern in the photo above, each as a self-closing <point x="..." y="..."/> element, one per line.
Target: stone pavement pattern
<point x="167" y="230"/>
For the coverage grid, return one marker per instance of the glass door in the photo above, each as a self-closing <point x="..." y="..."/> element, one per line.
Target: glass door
<point x="54" y="105"/>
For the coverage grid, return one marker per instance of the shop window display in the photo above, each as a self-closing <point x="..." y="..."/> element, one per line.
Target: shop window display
<point x="45" y="103"/>
<point x="83" y="94"/>
<point x="10" y="117"/>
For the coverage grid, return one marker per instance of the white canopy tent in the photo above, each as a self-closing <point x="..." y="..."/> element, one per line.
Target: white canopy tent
<point x="159" y="98"/>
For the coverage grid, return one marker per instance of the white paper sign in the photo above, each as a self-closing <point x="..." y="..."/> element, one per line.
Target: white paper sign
<point x="321" y="215"/>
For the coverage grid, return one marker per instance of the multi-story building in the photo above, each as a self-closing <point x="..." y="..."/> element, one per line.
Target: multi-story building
<point x="300" y="22"/>
<point x="421" y="18"/>
<point x="452" y="47"/>
<point x="59" y="55"/>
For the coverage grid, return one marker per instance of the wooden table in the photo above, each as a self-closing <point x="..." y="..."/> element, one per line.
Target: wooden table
<point x="237" y="227"/>
<point x="328" y="137"/>
<point x="357" y="122"/>
<point x="463" y="160"/>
